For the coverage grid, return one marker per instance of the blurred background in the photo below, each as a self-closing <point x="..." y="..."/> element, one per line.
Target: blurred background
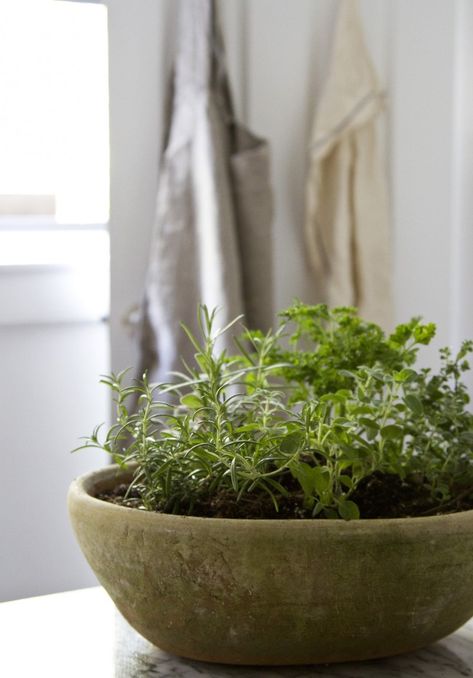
<point x="83" y="88"/>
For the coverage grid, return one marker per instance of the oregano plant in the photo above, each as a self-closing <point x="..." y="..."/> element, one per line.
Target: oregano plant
<point x="326" y="417"/>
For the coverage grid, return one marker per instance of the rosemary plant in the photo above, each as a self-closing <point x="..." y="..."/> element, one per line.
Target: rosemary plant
<point x="300" y="417"/>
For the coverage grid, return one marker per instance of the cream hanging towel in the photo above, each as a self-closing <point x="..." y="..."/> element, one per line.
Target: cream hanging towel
<point x="346" y="210"/>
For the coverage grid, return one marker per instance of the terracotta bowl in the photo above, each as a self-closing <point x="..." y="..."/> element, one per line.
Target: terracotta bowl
<point x="277" y="591"/>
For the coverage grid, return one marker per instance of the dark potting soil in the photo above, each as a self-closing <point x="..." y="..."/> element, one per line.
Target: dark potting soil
<point x="380" y="495"/>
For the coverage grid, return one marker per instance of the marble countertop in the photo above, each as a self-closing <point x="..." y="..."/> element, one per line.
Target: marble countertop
<point x="79" y="633"/>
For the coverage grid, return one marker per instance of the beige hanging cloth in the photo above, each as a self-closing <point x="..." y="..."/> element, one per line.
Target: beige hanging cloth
<point x="347" y="228"/>
<point x="212" y="242"/>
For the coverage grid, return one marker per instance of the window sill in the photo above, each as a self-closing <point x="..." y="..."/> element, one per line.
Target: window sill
<point x="54" y="276"/>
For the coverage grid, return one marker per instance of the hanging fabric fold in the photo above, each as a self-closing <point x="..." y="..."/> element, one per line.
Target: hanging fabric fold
<point x="347" y="224"/>
<point x="212" y="242"/>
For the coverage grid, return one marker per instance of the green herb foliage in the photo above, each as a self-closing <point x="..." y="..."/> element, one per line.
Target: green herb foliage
<point x="307" y="412"/>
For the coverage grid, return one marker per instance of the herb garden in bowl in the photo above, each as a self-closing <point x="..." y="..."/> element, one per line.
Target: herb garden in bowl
<point x="304" y="499"/>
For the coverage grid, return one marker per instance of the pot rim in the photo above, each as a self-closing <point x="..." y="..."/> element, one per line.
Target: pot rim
<point x="81" y="489"/>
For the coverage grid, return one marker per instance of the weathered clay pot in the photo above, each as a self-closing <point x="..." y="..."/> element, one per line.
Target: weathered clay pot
<point x="277" y="591"/>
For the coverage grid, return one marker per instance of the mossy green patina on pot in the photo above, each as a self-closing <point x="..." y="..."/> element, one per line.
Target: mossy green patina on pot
<point x="277" y="591"/>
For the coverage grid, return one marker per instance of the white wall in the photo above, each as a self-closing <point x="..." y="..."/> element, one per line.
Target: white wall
<point x="54" y="344"/>
<point x="422" y="119"/>
<point x="49" y="397"/>
<point x="431" y="148"/>
<point x="140" y="39"/>
<point x="462" y="287"/>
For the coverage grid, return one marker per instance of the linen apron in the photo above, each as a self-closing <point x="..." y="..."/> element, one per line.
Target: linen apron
<point x="212" y="242"/>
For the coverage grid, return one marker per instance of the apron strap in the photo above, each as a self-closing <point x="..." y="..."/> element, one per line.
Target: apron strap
<point x="200" y="62"/>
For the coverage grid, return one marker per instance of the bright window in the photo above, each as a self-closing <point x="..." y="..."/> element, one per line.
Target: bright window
<point x="54" y="162"/>
<point x="54" y="139"/>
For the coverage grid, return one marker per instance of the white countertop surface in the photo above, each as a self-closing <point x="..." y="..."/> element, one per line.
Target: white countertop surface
<point x="80" y="633"/>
